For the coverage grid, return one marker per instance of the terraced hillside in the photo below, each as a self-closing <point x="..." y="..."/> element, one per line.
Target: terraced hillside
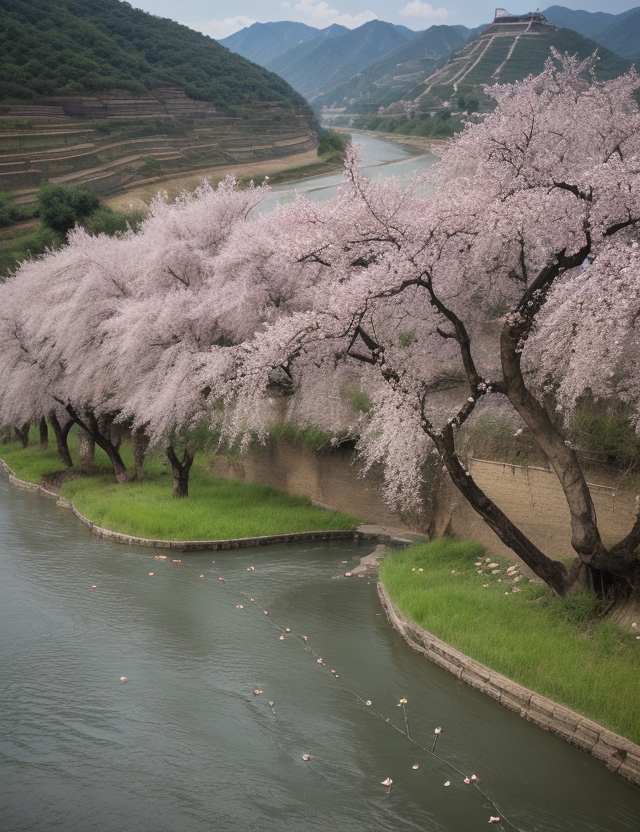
<point x="111" y="140"/>
<point x="97" y="92"/>
<point x="506" y="51"/>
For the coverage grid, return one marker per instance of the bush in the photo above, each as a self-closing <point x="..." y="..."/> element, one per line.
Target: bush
<point x="62" y="207"/>
<point x="333" y="143"/>
<point x="9" y="211"/>
<point x="106" y="221"/>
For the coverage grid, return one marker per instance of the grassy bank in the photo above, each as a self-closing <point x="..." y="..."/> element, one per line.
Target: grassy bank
<point x="561" y="648"/>
<point x="216" y="508"/>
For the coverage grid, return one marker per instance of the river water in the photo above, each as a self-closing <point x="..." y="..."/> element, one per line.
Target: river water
<point x="380" y="159"/>
<point x="185" y="745"/>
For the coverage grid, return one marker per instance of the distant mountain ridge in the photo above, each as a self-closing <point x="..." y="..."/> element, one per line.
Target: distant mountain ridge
<point x="264" y="42"/>
<point x="397" y="73"/>
<point x="618" y="32"/>
<point x="320" y="70"/>
<point x="316" y="65"/>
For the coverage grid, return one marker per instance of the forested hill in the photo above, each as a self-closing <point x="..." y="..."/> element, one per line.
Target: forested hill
<point x="73" y="47"/>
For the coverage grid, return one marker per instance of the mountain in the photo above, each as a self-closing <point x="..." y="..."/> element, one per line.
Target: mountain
<point x="513" y="47"/>
<point x="397" y="73"/>
<point x="264" y="42"/>
<point x="76" y="46"/>
<point x="589" y="24"/>
<point x="623" y="35"/>
<point x="316" y="65"/>
<point x="98" y="92"/>
<point x="618" y="32"/>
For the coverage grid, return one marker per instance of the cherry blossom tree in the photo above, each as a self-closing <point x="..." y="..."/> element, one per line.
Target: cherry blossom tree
<point x="532" y="224"/>
<point x="527" y="227"/>
<point x="54" y="335"/>
<point x="24" y="393"/>
<point x="186" y="306"/>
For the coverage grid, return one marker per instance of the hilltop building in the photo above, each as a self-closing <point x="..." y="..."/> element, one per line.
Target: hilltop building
<point x="503" y="16"/>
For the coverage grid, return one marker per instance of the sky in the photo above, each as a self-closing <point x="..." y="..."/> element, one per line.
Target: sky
<point x="220" y="18"/>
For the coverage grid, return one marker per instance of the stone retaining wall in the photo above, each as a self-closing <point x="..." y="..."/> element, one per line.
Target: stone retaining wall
<point x="618" y="754"/>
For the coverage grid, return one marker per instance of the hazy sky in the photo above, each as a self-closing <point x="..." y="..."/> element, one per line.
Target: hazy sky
<point x="219" y="18"/>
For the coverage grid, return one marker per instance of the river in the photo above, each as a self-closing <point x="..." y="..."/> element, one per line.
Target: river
<point x="185" y="745"/>
<point x="380" y="159"/>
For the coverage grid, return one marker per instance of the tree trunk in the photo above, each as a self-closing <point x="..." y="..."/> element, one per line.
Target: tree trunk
<point x="23" y="434"/>
<point x="97" y="432"/>
<point x="140" y="447"/>
<point x="552" y="572"/>
<point x="180" y="471"/>
<point x="86" y="451"/>
<point x="61" y="432"/>
<point x="44" y="434"/>
<point x="608" y="572"/>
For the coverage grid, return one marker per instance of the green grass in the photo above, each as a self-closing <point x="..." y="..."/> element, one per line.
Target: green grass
<point x="216" y="508"/>
<point x="31" y="464"/>
<point x="561" y="648"/>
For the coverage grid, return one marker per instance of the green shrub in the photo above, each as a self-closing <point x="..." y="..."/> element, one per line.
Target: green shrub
<point x="106" y="221"/>
<point x="333" y="143"/>
<point x="60" y="207"/>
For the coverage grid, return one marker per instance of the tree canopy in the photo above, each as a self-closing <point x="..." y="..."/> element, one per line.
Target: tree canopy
<point x="529" y="222"/>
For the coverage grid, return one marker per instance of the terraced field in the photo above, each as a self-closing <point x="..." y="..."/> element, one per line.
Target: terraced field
<point x="108" y="142"/>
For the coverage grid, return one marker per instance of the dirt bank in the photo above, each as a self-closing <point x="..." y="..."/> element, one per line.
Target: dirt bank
<point x="139" y="196"/>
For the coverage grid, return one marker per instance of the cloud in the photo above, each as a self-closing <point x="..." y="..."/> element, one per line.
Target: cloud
<point x="418" y="9"/>
<point x="320" y="14"/>
<point x="222" y="28"/>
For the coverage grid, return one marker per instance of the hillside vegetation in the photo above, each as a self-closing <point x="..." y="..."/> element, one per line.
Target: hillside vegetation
<point x="504" y="52"/>
<point x="97" y="93"/>
<point x="396" y="73"/>
<point x="78" y="46"/>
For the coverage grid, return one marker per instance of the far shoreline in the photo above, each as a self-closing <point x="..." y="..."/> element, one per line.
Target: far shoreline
<point x="294" y="168"/>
